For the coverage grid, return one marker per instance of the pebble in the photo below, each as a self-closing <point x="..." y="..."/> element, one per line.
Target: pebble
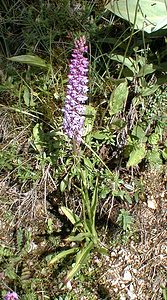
<point x="113" y="254"/>
<point x="127" y="276"/>
<point x="152" y="203"/>
<point x="131" y="293"/>
<point x="68" y="285"/>
<point x="122" y="297"/>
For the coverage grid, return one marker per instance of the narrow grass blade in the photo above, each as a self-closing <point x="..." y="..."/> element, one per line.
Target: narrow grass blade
<point x="93" y="208"/>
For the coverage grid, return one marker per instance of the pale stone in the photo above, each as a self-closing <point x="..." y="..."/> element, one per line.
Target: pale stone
<point x="152" y="203"/>
<point x="68" y="285"/>
<point x="122" y="297"/>
<point x="127" y="276"/>
<point x="131" y="293"/>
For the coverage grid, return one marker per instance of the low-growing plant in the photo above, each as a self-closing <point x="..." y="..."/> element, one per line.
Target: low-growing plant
<point x="84" y="230"/>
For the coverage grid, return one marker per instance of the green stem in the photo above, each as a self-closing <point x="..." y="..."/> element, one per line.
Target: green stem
<point x="133" y="28"/>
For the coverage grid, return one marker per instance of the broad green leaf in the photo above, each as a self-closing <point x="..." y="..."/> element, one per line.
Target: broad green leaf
<point x="84" y="176"/>
<point x="90" y="115"/>
<point x="38" y="137"/>
<point x="103" y="250"/>
<point x="137" y="100"/>
<point x="50" y="226"/>
<point x="149" y="15"/>
<point x="139" y="133"/>
<point x="79" y="237"/>
<point x="99" y="135"/>
<point x="85" y="198"/>
<point x="145" y="70"/>
<point x="30" y="60"/>
<point x="136" y="156"/>
<point x="128" y="62"/>
<point x="117" y="124"/>
<point x="154" y="138"/>
<point x="147" y="91"/>
<point x="164" y="293"/>
<point x="70" y="215"/>
<point x="154" y="157"/>
<point x="164" y="153"/>
<point x="62" y="255"/>
<point x="26" y="95"/>
<point x="80" y="259"/>
<point x="128" y="198"/>
<point x="118" y="98"/>
<point x="88" y="163"/>
<point x="64" y="183"/>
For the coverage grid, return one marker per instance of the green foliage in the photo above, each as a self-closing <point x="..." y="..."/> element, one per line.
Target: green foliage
<point x="30" y="296"/>
<point x="125" y="220"/>
<point x="11" y="161"/>
<point x="136" y="11"/>
<point x="136" y="155"/>
<point x="30" y="60"/>
<point x="164" y="293"/>
<point x="85" y="226"/>
<point x="90" y="114"/>
<point x="118" y="98"/>
<point x="5" y="252"/>
<point x="7" y="158"/>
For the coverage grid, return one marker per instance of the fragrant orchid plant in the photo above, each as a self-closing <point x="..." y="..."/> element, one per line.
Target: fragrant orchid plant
<point x="77" y="89"/>
<point x="84" y="229"/>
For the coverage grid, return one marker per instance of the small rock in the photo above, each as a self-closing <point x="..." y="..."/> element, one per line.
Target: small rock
<point x="68" y="285"/>
<point x="122" y="297"/>
<point x="115" y="290"/>
<point x="131" y="293"/>
<point x="152" y="203"/>
<point x="127" y="276"/>
<point x="113" y="254"/>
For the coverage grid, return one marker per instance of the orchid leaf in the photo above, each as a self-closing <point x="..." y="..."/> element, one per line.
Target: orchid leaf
<point x="80" y="259"/>
<point x="70" y="215"/>
<point x="62" y="255"/>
